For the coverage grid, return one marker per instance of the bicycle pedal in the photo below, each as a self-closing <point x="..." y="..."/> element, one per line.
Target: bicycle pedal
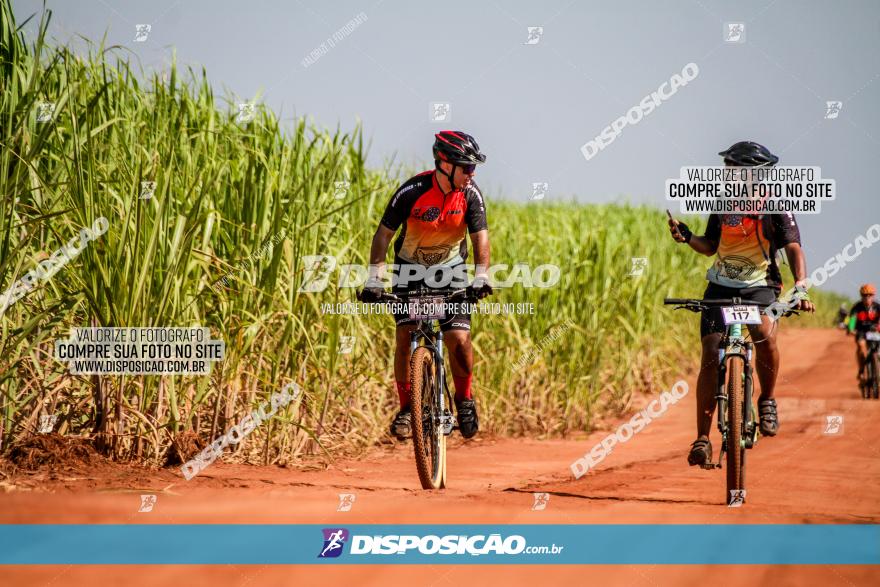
<point x="710" y="466"/>
<point x="449" y="423"/>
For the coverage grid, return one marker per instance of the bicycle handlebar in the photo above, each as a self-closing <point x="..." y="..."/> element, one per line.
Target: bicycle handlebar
<point x="463" y="294"/>
<point x="715" y="303"/>
<point x="698" y="305"/>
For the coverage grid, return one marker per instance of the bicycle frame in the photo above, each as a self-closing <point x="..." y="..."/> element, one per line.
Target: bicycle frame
<point x="733" y="346"/>
<point x="428" y="333"/>
<point x="431" y="398"/>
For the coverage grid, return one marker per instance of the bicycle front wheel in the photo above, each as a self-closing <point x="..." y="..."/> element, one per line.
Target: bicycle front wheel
<point x="429" y="442"/>
<point x="736" y="452"/>
<point x="874" y="376"/>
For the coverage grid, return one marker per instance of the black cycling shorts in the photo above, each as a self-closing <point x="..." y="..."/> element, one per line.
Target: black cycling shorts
<point x="458" y="321"/>
<point x="712" y="320"/>
<point x="860" y="334"/>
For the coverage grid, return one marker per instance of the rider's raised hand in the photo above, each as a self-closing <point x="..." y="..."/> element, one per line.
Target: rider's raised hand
<point x="679" y="230"/>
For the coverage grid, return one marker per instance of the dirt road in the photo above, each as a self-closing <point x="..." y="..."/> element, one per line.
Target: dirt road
<point x="804" y="475"/>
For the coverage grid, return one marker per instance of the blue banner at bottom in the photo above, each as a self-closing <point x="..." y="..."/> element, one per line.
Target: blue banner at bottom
<point x="438" y="544"/>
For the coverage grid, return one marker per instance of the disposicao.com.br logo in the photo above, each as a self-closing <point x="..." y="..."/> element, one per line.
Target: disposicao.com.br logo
<point x="430" y="544"/>
<point x="334" y="539"/>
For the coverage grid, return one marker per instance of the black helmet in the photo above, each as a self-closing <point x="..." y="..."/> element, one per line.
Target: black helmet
<point x="457" y="148"/>
<point x="748" y="154"/>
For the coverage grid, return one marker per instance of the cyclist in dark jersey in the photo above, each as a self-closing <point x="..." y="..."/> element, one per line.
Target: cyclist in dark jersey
<point x="745" y="248"/>
<point x="864" y="317"/>
<point x="435" y="211"/>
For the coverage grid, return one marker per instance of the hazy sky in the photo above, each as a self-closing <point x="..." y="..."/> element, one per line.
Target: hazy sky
<point x="532" y="106"/>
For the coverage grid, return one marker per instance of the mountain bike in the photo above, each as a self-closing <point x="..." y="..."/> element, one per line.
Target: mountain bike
<point x="429" y="390"/>
<point x="871" y="370"/>
<point x="736" y="414"/>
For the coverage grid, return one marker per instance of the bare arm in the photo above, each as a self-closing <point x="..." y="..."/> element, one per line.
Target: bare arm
<point x="703" y="245"/>
<point x="480" y="242"/>
<point x="798" y="263"/>
<point x="378" y="251"/>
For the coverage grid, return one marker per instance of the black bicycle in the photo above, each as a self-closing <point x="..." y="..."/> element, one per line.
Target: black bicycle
<point x="871" y="370"/>
<point x="736" y="415"/>
<point x="430" y="395"/>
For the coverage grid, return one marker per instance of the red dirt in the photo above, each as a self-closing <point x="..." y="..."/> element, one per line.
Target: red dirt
<point x="53" y="451"/>
<point x="800" y="476"/>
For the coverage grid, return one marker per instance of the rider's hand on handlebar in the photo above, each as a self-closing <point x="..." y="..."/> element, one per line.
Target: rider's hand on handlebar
<point x="370" y="295"/>
<point x="480" y="288"/>
<point x="804" y="305"/>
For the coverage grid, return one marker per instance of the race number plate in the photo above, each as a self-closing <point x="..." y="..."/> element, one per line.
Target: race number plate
<point x="741" y="315"/>
<point x="426" y="309"/>
<point x="872" y="335"/>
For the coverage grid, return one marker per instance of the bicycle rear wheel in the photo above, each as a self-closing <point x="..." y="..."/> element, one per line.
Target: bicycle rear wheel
<point x="429" y="442"/>
<point x="736" y="452"/>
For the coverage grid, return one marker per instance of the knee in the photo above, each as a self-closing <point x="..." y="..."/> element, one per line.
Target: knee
<point x="767" y="345"/>
<point x="403" y="338"/>
<point x="459" y="344"/>
<point x="457" y="338"/>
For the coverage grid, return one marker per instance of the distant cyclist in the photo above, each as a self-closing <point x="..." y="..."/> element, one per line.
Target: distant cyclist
<point x="745" y="266"/>
<point x="864" y="317"/>
<point x="842" y="317"/>
<point x="437" y="210"/>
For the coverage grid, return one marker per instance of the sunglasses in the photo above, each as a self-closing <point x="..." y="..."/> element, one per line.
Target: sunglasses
<point x="469" y="168"/>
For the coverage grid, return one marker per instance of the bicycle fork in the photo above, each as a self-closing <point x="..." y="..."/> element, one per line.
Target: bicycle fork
<point x="733" y="345"/>
<point x="444" y="409"/>
<point x="442" y="404"/>
<point x="751" y="427"/>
